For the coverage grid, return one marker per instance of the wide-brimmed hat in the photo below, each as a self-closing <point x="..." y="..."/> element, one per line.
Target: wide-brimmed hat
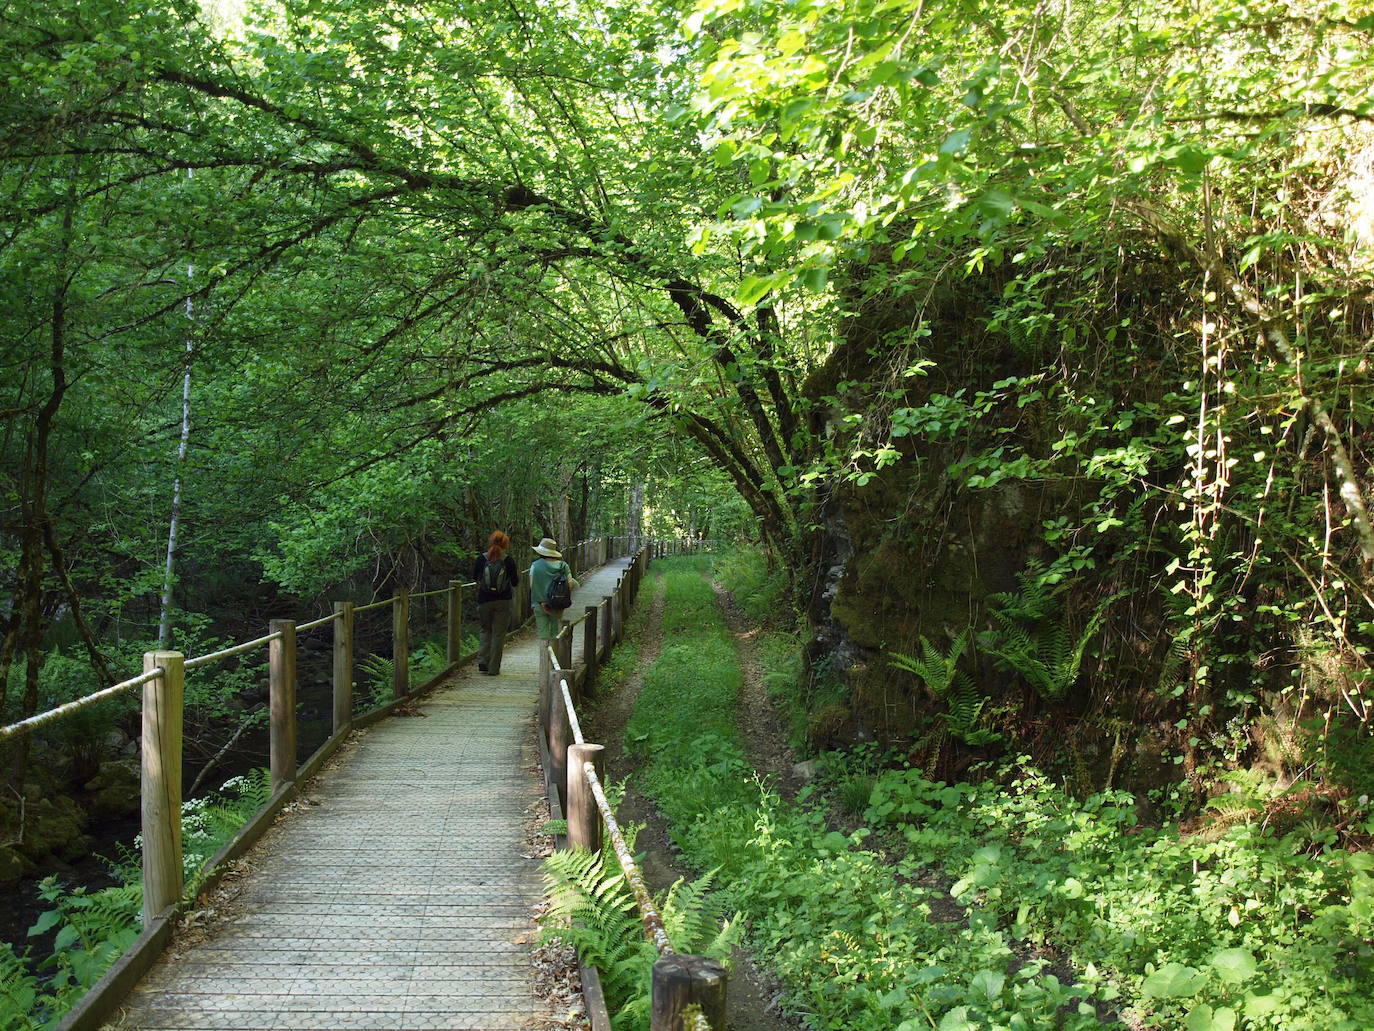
<point x="548" y="547"/>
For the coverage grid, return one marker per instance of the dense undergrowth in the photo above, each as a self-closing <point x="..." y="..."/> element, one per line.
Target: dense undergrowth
<point x="94" y="928"/>
<point x="1002" y="904"/>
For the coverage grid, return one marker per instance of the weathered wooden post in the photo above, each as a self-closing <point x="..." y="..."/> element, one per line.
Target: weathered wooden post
<point x="618" y="611"/>
<point x="545" y="671"/>
<point x="281" y="700"/>
<point x="589" y="648"/>
<point x="605" y="617"/>
<point x="343" y="665"/>
<point x="563" y="646"/>
<point x="455" y="621"/>
<point x="162" y="728"/>
<point x="560" y="736"/>
<point x="680" y="982"/>
<point x="584" y="819"/>
<point x="400" y="644"/>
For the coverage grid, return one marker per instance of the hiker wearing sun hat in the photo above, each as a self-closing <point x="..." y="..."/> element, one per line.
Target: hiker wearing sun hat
<point x="543" y="572"/>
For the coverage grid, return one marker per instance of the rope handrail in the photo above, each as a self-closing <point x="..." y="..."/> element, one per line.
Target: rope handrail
<point x="302" y="627"/>
<point x="80" y="703"/>
<point x="648" y="914"/>
<point x="573" y="723"/>
<point x="431" y="594"/>
<point x="582" y="618"/>
<point x="238" y="649"/>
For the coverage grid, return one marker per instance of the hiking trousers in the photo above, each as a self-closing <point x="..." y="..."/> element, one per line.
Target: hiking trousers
<point x="494" y="619"/>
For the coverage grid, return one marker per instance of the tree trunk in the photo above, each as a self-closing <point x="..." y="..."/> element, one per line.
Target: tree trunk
<point x="164" y="623"/>
<point x="634" y="518"/>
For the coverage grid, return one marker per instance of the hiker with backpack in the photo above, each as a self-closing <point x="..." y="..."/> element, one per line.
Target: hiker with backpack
<point x="551" y="587"/>
<point x="496" y="576"/>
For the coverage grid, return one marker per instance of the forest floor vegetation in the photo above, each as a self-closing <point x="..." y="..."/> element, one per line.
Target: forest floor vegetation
<point x="752" y="992"/>
<point x="1003" y="904"/>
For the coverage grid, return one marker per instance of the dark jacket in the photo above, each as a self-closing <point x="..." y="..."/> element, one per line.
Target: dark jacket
<point x="479" y="570"/>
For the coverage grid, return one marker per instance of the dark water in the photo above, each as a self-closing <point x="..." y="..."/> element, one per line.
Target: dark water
<point x="21" y="906"/>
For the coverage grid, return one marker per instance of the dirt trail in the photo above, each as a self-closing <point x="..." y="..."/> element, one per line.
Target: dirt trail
<point x="752" y="995"/>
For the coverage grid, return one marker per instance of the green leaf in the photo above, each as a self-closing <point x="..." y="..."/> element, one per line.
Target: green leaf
<point x="956" y="142"/>
<point x="814" y="279"/>
<point x="1260" y="1005"/>
<point x="1172" y="981"/>
<point x="65" y="939"/>
<point x="1235" y="965"/>
<point x="1191" y="160"/>
<point x="796" y="108"/>
<point x="988" y="983"/>
<point x="746" y="207"/>
<point x="957" y="1019"/>
<point x="1204" y="1018"/>
<point x="46" y="922"/>
<point x="754" y="289"/>
<point x="830" y="227"/>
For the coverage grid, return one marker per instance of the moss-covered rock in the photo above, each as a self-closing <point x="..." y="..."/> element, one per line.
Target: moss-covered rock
<point x="13" y="865"/>
<point x="53" y="828"/>
<point x="116" y="789"/>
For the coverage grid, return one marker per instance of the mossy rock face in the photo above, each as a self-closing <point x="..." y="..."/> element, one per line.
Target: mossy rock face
<point x="13" y="865"/>
<point x="117" y="789"/>
<point x="53" y="828"/>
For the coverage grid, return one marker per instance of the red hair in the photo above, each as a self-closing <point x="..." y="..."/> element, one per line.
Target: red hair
<point x="497" y="540"/>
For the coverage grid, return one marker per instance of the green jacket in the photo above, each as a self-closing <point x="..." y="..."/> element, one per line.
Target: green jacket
<point x="541" y="574"/>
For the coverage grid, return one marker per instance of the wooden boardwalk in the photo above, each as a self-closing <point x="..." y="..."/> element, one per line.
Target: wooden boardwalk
<point x="401" y="898"/>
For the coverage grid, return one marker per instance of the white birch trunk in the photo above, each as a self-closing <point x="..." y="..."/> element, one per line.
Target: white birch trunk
<point x="164" y="626"/>
<point x="635" y="517"/>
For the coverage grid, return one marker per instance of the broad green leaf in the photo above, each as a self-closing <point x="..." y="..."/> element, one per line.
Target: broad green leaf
<point x="1172" y="981"/>
<point x="1235" y="965"/>
<point x="955" y="143"/>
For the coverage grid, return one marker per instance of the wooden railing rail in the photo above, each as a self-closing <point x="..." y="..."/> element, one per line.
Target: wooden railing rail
<point x="688" y="991"/>
<point x="53" y="715"/>
<point x="667" y="547"/>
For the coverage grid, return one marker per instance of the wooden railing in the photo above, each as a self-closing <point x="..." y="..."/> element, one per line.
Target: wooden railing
<point x="688" y="992"/>
<point x="668" y="547"/>
<point x="163" y="682"/>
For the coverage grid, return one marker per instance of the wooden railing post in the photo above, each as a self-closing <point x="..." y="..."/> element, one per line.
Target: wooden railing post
<point x="589" y="649"/>
<point x="560" y="735"/>
<point x="545" y="671"/>
<point x="562" y="645"/>
<point x="162" y="729"/>
<point x="455" y="621"/>
<point x="605" y="617"/>
<point x="400" y="644"/>
<point x="618" y="611"/>
<point x="680" y="982"/>
<point x="584" y="818"/>
<point x="343" y="665"/>
<point x="281" y="698"/>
